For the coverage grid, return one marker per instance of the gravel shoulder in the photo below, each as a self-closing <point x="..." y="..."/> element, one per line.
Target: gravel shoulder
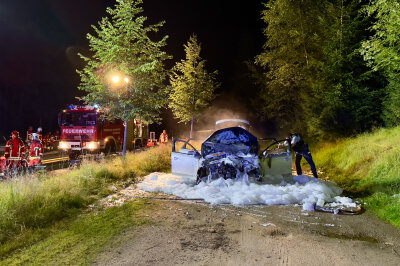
<point x="195" y="233"/>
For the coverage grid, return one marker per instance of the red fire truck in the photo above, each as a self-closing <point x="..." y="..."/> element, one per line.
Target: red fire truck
<point x="85" y="130"/>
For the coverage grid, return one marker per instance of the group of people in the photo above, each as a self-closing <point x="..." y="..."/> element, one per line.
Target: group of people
<point x="15" y="151"/>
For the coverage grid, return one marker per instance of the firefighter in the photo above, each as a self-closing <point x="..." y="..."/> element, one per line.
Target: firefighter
<point x="164" y="137"/>
<point x="14" y="151"/>
<point x="29" y="135"/>
<point x="297" y="144"/>
<point x="3" y="166"/>
<point x="150" y="143"/>
<point x="35" y="151"/>
<point x="39" y="132"/>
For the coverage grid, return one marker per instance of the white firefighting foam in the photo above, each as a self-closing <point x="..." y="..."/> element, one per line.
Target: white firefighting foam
<point x="304" y="190"/>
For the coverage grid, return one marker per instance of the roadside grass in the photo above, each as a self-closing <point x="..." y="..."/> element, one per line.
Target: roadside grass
<point x="367" y="166"/>
<point x="77" y="242"/>
<point x="31" y="205"/>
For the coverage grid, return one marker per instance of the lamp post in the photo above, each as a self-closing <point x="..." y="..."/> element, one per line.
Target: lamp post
<point x="118" y="80"/>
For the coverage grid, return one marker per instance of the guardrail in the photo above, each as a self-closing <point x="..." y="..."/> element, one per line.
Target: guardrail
<point x="55" y="160"/>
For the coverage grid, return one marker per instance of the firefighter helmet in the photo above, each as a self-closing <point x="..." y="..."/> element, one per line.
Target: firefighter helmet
<point x="35" y="136"/>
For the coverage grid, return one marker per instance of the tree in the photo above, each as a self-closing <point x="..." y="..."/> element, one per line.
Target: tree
<point x="126" y="71"/>
<point x="348" y="100"/>
<point x="315" y="80"/>
<point x="192" y="87"/>
<point x="291" y="58"/>
<point x="382" y="52"/>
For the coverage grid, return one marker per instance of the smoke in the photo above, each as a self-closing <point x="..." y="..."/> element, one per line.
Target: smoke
<point x="232" y="107"/>
<point x="225" y="106"/>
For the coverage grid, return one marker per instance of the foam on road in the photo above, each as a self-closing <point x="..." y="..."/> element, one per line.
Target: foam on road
<point x="303" y="190"/>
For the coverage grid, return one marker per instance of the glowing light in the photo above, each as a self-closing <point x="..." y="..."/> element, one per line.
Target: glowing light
<point x="115" y="79"/>
<point x="91" y="145"/>
<point x="126" y="80"/>
<point x="63" y="145"/>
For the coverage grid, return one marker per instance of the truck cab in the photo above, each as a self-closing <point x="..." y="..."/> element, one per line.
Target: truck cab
<point x="86" y="129"/>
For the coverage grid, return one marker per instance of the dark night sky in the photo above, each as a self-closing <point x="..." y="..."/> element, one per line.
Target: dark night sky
<point x="39" y="40"/>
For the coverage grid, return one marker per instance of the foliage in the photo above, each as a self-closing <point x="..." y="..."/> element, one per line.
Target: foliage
<point x="192" y="87"/>
<point x="385" y="206"/>
<point x="367" y="166"/>
<point x="382" y="51"/>
<point x="122" y="46"/>
<point x="350" y="97"/>
<point x="314" y="78"/>
<point x="291" y="54"/>
<point x="370" y="157"/>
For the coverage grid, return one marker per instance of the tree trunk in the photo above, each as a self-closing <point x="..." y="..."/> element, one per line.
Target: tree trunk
<point x="191" y="128"/>
<point x="125" y="138"/>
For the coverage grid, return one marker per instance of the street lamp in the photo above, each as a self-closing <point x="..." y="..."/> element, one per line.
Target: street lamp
<point x="117" y="80"/>
<point x="120" y="83"/>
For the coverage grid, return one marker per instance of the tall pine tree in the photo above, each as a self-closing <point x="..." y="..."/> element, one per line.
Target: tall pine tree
<point x="315" y="79"/>
<point x="126" y="71"/>
<point x="349" y="99"/>
<point x="291" y="58"/>
<point x="192" y="87"/>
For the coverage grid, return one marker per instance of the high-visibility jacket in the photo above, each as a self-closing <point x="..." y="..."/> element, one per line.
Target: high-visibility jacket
<point x="35" y="152"/>
<point x="14" y="150"/>
<point x="29" y="135"/>
<point x="3" y="164"/>
<point x="163" y="138"/>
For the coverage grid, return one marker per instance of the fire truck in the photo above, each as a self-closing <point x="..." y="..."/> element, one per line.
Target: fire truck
<point x="86" y="129"/>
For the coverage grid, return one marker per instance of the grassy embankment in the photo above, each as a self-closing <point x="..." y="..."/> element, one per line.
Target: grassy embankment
<point x="43" y="218"/>
<point x="367" y="167"/>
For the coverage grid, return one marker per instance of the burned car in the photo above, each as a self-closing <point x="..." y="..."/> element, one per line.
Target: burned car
<point x="232" y="153"/>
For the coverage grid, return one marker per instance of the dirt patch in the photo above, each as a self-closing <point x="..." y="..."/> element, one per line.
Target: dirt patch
<point x="190" y="233"/>
<point x="352" y="237"/>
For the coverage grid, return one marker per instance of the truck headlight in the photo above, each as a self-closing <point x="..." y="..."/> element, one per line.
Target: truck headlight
<point x="91" y="145"/>
<point x="63" y="145"/>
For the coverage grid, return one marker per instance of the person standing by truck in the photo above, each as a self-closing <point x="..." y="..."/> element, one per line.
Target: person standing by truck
<point x="297" y="144"/>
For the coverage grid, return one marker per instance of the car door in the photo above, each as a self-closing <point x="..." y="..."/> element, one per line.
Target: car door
<point x="185" y="161"/>
<point x="276" y="164"/>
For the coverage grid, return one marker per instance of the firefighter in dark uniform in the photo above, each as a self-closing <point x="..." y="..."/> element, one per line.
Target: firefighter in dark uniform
<point x="297" y="144"/>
